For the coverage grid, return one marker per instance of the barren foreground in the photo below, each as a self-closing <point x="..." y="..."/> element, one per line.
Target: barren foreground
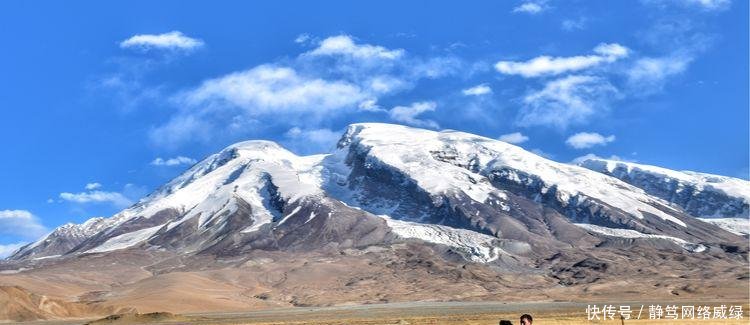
<point x="350" y="287"/>
<point x="415" y="313"/>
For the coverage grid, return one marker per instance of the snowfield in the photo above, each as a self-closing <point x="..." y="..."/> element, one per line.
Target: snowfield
<point x="629" y="233"/>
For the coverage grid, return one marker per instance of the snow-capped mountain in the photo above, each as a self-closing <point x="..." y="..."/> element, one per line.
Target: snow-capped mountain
<point x="64" y="238"/>
<point x="724" y="201"/>
<point x="482" y="199"/>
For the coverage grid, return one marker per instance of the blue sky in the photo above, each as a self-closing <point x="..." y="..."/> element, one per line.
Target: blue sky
<point x="104" y="101"/>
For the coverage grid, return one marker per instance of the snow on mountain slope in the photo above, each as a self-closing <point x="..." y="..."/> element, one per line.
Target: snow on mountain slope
<point x="739" y="226"/>
<point x="382" y="182"/>
<point x="628" y="233"/>
<point x="422" y="154"/>
<point x="479" y="247"/>
<point x="702" y="195"/>
<point x="65" y="237"/>
<point x="71" y="230"/>
<point x="238" y="169"/>
<point x="207" y="189"/>
<point x="125" y="240"/>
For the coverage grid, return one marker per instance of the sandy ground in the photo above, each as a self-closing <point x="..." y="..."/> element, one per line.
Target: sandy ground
<point x="373" y="288"/>
<point x="419" y="313"/>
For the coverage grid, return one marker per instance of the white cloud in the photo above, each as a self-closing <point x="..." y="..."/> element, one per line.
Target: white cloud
<point x="514" y="138"/>
<point x="115" y="198"/>
<point x="370" y="105"/>
<point x="271" y="89"/>
<point x="408" y="114"/>
<point x="306" y="141"/>
<point x="574" y="24"/>
<point x="179" y="160"/>
<point x="649" y="74"/>
<point x="477" y="90"/>
<point x="231" y="102"/>
<point x="344" y="45"/>
<point x="20" y="223"/>
<point x="262" y="92"/>
<point x="708" y="5"/>
<point x="433" y="68"/>
<point x="547" y="65"/>
<point x="612" y="51"/>
<point x="93" y="186"/>
<point x="302" y="38"/>
<point x="173" y="40"/>
<point x="529" y="8"/>
<point x="581" y="159"/>
<point x="585" y="140"/>
<point x="94" y="195"/>
<point x="384" y="84"/>
<point x="569" y="100"/>
<point x="338" y="77"/>
<point x="180" y="128"/>
<point x="315" y="135"/>
<point x="6" y="250"/>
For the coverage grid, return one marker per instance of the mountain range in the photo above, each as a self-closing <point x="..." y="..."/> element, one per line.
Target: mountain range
<point x="395" y="213"/>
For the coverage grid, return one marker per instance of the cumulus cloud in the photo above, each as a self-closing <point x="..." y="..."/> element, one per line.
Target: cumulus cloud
<point x="20" y="223"/>
<point x="547" y="65"/>
<point x="514" y="138"/>
<point x="176" y="161"/>
<point x="271" y="89"/>
<point x="115" y="198"/>
<point x="408" y="114"/>
<point x="649" y="74"/>
<point x="173" y="40"/>
<point x="344" y="45"/>
<point x="585" y="140"/>
<point x="6" y="250"/>
<point x="229" y="103"/>
<point x="529" y="8"/>
<point x="565" y="101"/>
<point x="477" y="90"/>
<point x="93" y="186"/>
<point x="94" y="195"/>
<point x="339" y="76"/>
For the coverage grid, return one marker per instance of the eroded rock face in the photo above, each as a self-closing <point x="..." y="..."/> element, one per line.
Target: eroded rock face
<point x="701" y="195"/>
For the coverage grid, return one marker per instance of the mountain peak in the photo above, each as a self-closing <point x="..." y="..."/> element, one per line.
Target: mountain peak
<point x="256" y="145"/>
<point x="703" y="195"/>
